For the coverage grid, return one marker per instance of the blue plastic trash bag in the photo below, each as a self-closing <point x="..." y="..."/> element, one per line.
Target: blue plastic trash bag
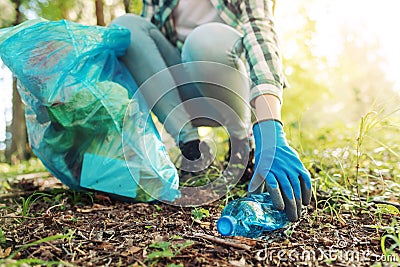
<point x="85" y="119"/>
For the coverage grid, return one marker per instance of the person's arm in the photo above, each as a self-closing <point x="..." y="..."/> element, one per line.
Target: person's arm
<point x="278" y="168"/>
<point x="261" y="47"/>
<point x="267" y="107"/>
<point x="277" y="165"/>
<point x="147" y="10"/>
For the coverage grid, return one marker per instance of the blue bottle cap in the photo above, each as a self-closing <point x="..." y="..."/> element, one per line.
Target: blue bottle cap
<point x="226" y="225"/>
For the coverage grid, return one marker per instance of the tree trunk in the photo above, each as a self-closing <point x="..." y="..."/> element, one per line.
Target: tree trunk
<point x="126" y="5"/>
<point x="100" y="12"/>
<point x="19" y="148"/>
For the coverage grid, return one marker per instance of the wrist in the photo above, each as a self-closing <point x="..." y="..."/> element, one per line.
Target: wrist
<point x="264" y="121"/>
<point x="268" y="134"/>
<point x="267" y="107"/>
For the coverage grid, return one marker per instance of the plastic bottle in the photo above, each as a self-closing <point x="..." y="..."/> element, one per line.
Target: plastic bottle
<point x="250" y="217"/>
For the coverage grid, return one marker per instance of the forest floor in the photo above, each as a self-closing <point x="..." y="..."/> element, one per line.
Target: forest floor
<point x="45" y="224"/>
<point x="353" y="219"/>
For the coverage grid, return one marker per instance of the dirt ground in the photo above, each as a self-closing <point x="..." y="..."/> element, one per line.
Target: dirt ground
<point x="65" y="228"/>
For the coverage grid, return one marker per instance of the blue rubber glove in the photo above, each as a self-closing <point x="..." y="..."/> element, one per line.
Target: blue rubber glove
<point x="278" y="167"/>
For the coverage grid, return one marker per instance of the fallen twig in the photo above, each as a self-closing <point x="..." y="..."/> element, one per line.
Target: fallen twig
<point x="29" y="176"/>
<point x="20" y="217"/>
<point x="16" y="194"/>
<point x="221" y="241"/>
<point x="52" y="207"/>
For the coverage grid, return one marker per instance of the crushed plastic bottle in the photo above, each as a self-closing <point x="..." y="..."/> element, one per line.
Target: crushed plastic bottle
<point x="251" y="217"/>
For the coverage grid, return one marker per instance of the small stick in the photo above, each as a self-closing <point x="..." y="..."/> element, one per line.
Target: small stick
<point x="31" y="176"/>
<point x="20" y="217"/>
<point x="52" y="207"/>
<point x="223" y="241"/>
<point x="54" y="247"/>
<point x="16" y="194"/>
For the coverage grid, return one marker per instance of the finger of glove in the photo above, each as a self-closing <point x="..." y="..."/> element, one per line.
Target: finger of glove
<point x="305" y="183"/>
<point x="274" y="191"/>
<point x="300" y="179"/>
<point x="288" y="198"/>
<point x="257" y="184"/>
<point x="293" y="176"/>
<point x="299" y="206"/>
<point x="284" y="192"/>
<point x="295" y="183"/>
<point x="290" y="207"/>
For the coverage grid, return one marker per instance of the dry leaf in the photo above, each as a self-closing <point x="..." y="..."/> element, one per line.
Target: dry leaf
<point x="239" y="263"/>
<point x="245" y="240"/>
<point x="99" y="196"/>
<point x="326" y="241"/>
<point x="104" y="246"/>
<point x="206" y="225"/>
<point x="95" y="207"/>
<point x="341" y="220"/>
<point x="131" y="251"/>
<point x="5" y="253"/>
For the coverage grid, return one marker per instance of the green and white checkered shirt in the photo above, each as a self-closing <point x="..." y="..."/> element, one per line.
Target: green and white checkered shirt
<point x="254" y="18"/>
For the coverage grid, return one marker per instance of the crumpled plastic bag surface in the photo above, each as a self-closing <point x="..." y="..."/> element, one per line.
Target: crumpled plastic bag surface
<point x="86" y="120"/>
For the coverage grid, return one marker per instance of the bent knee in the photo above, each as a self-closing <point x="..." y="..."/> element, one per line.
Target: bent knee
<point x="133" y="22"/>
<point x="215" y="42"/>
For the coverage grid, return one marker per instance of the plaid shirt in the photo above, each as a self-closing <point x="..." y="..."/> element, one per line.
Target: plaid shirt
<point x="251" y="17"/>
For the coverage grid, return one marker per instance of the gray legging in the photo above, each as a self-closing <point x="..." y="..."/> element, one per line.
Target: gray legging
<point x="205" y="85"/>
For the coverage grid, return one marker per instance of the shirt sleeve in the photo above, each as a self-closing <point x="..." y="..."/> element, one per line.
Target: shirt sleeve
<point x="147" y="10"/>
<point x="261" y="48"/>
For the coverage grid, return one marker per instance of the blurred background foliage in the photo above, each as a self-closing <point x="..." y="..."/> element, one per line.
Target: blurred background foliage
<point x="326" y="91"/>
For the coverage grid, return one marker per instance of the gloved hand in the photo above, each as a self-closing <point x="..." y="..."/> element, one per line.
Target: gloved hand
<point x="278" y="167"/>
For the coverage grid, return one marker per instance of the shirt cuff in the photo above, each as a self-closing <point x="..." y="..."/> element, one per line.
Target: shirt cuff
<point x="265" y="89"/>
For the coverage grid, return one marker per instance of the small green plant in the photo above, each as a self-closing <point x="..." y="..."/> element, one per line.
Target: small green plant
<point x="2" y="237"/>
<point x="4" y="186"/>
<point x="199" y="213"/>
<point x="80" y="198"/>
<point x="30" y="262"/>
<point x="370" y="126"/>
<point x="162" y="250"/>
<point x="390" y="253"/>
<point x="240" y="190"/>
<point x="386" y="208"/>
<point x="26" y="203"/>
<point x="67" y="237"/>
<point x="366" y="124"/>
<point x="212" y="174"/>
<point x="56" y="200"/>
